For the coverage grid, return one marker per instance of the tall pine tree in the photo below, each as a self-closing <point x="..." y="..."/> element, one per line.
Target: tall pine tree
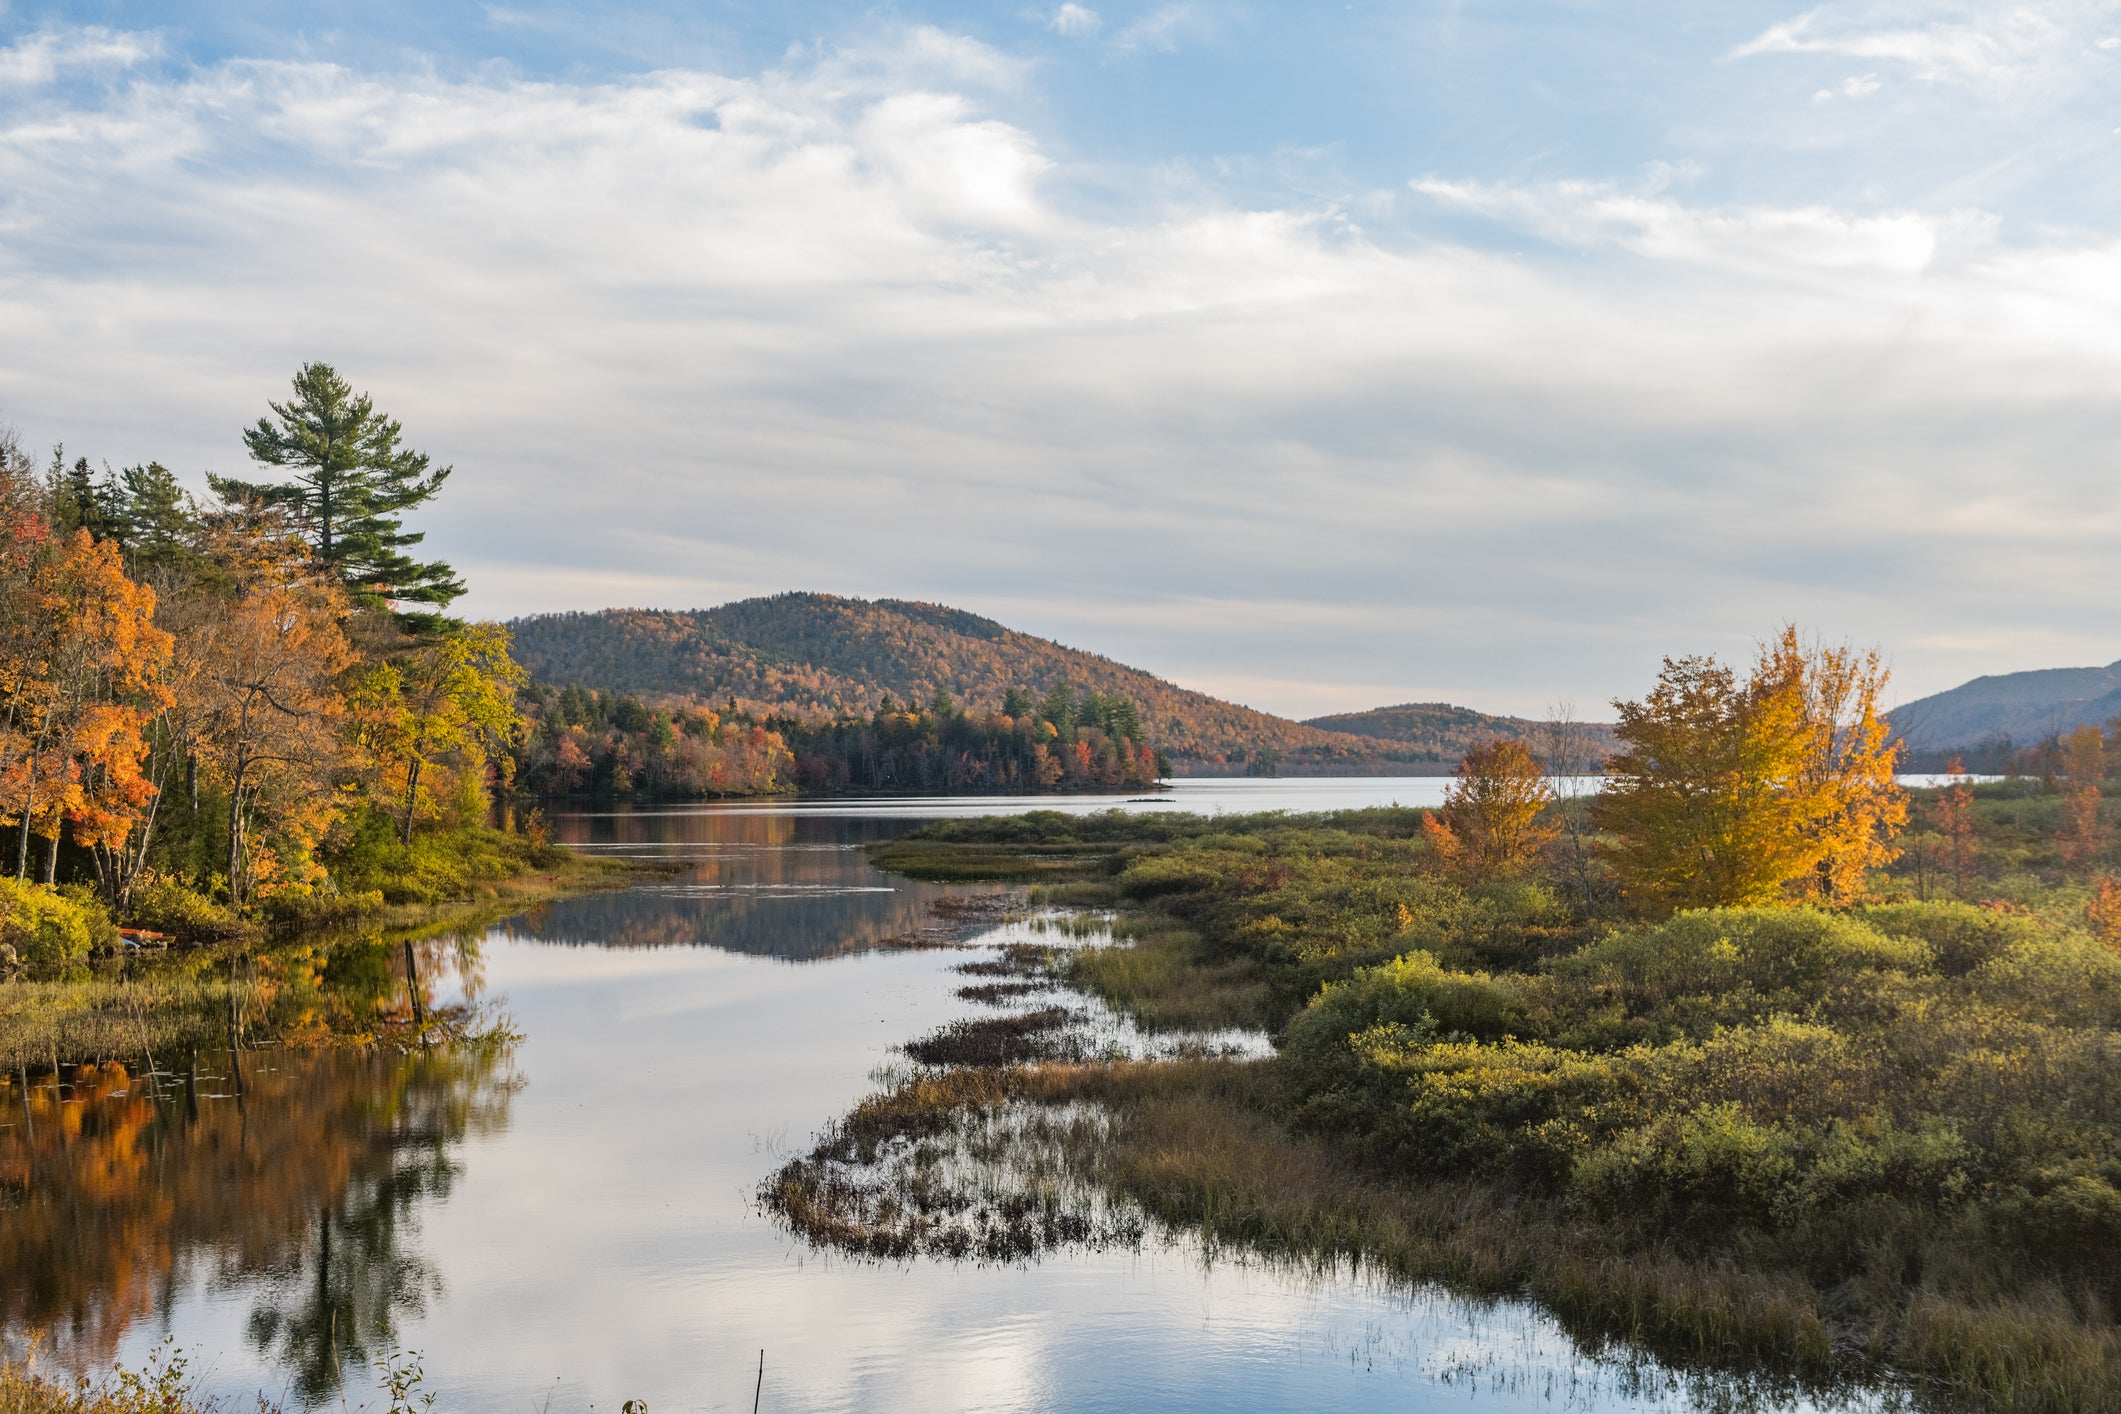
<point x="352" y="483"/>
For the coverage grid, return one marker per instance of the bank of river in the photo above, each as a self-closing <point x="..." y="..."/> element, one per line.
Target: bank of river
<point x="575" y="1218"/>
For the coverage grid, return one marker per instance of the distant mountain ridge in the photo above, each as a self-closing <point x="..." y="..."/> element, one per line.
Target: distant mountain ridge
<point x="2020" y="707"/>
<point x="819" y="655"/>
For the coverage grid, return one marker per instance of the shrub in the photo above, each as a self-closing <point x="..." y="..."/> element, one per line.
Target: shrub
<point x="165" y="906"/>
<point x="45" y="926"/>
<point x="1766" y="951"/>
<point x="1961" y="936"/>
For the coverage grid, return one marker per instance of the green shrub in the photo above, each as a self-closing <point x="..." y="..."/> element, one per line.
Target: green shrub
<point x="1961" y="936"/>
<point x="1788" y="952"/>
<point x="45" y="926"/>
<point x="164" y="906"/>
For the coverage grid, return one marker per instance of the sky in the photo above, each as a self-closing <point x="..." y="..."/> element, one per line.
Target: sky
<point x="1320" y="356"/>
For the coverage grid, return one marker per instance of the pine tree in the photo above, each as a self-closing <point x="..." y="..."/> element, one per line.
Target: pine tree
<point x="1059" y="708"/>
<point x="352" y="483"/>
<point x="156" y="516"/>
<point x="79" y="501"/>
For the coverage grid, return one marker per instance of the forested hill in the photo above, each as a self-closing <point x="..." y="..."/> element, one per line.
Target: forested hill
<point x="1448" y="731"/>
<point x="2020" y="707"/>
<point x="820" y="656"/>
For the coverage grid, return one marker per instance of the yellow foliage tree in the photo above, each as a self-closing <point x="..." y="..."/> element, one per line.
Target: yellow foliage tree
<point x="1490" y="824"/>
<point x="1728" y="793"/>
<point x="440" y="715"/>
<point x="1845" y="797"/>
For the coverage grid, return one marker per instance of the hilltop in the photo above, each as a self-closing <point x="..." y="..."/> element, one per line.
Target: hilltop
<point x="1447" y="730"/>
<point x="820" y="656"/>
<point x="2015" y="707"/>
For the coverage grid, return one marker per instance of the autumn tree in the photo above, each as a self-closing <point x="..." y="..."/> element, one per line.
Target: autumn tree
<point x="1955" y="822"/>
<point x="81" y="679"/>
<point x="2080" y="839"/>
<point x="1845" y="797"/>
<point x="270" y="710"/>
<point x="1490" y="824"/>
<point x="1728" y="793"/>
<point x="442" y="714"/>
<point x="353" y="481"/>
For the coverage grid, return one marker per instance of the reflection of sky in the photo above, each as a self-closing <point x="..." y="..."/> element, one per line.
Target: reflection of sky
<point x="606" y="1246"/>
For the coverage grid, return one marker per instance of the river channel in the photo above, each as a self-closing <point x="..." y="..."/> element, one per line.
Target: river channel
<point x="574" y="1223"/>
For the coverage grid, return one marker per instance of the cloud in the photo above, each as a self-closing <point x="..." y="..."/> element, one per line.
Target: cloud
<point x="1074" y="21"/>
<point x="1757" y="240"/>
<point x="1163" y="29"/>
<point x="838" y="324"/>
<point x="43" y="58"/>
<point x="2004" y="51"/>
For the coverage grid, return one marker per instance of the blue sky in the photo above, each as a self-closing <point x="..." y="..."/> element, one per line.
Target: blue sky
<point x="1317" y="355"/>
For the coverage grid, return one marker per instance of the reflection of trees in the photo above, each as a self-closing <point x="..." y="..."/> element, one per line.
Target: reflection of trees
<point x="110" y="1200"/>
<point x="778" y="885"/>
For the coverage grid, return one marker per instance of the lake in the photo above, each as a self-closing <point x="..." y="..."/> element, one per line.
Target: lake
<point x="573" y="1223"/>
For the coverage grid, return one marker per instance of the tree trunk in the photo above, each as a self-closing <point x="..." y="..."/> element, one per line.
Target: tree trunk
<point x="51" y="862"/>
<point x="29" y="807"/>
<point x="235" y="835"/>
<point x="412" y="795"/>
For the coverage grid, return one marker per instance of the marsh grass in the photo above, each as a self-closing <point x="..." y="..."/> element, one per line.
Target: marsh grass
<point x="1164" y="977"/>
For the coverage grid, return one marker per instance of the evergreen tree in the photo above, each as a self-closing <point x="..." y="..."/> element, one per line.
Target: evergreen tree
<point x="1017" y="704"/>
<point x="79" y="501"/>
<point x="352" y="484"/>
<point x="157" y="516"/>
<point x="1059" y="708"/>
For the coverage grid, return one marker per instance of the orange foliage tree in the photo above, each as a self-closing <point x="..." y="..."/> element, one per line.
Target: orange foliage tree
<point x="1955" y="821"/>
<point x="2080" y="838"/>
<point x="1491" y="823"/>
<point x="269" y="704"/>
<point x="82" y="679"/>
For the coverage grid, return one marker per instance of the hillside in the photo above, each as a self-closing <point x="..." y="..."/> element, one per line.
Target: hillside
<point x="1448" y="731"/>
<point x="819" y="656"/>
<point x="2021" y="707"/>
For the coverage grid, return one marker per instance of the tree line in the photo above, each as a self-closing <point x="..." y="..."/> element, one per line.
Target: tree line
<point x="586" y="741"/>
<point x="224" y="700"/>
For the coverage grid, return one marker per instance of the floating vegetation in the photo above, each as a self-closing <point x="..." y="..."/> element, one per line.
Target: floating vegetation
<point x="998" y="993"/>
<point x="1003" y="1040"/>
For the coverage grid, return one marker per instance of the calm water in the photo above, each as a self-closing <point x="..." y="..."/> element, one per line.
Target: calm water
<point x="573" y="1224"/>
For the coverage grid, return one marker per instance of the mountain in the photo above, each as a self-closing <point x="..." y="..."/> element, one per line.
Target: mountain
<point x="2021" y="707"/>
<point x="1448" y="731"/>
<point x="817" y="655"/>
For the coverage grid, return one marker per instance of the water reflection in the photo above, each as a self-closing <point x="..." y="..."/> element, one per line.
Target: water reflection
<point x="119" y="1191"/>
<point x="787" y="883"/>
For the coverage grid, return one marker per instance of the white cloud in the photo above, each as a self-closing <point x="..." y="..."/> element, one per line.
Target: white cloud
<point x="2006" y="51"/>
<point x="1759" y="240"/>
<point x="42" y="58"/>
<point x="1163" y="29"/>
<point x="1075" y="20"/>
<point x="835" y="326"/>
